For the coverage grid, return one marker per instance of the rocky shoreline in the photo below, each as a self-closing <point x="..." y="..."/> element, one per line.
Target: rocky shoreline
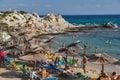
<point x="31" y="23"/>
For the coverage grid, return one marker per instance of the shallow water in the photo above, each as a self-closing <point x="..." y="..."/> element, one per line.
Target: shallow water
<point x="94" y="37"/>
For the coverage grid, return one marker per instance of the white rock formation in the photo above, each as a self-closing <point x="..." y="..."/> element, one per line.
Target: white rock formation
<point x="32" y="23"/>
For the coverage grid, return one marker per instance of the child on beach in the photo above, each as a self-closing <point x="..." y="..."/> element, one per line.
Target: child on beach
<point x="114" y="76"/>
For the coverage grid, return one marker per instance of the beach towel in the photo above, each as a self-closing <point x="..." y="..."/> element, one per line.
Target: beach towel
<point x="2" y="54"/>
<point x="51" y="78"/>
<point x="60" y="62"/>
<point x="8" y="58"/>
<point x="70" y="60"/>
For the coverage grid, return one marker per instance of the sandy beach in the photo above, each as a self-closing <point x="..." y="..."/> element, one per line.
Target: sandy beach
<point x="9" y="75"/>
<point x="92" y="69"/>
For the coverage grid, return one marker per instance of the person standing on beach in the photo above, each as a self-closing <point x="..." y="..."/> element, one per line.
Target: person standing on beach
<point x="96" y="50"/>
<point x="63" y="45"/>
<point x="85" y="61"/>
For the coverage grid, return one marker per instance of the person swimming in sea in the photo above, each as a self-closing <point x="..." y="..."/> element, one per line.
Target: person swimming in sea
<point x="107" y="42"/>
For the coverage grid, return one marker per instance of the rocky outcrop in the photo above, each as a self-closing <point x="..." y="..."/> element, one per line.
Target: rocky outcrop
<point x="31" y="23"/>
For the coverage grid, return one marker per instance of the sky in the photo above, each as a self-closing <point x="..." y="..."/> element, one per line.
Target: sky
<point x="64" y="7"/>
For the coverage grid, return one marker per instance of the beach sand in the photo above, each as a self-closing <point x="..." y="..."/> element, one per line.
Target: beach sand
<point x="9" y="75"/>
<point x="91" y="68"/>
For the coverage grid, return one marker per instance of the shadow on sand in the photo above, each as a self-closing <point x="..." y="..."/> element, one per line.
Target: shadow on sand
<point x="11" y="74"/>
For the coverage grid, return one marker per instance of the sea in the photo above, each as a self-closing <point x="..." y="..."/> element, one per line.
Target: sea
<point x="105" y="39"/>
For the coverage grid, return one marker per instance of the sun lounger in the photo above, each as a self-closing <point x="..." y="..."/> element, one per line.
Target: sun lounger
<point x="49" y="78"/>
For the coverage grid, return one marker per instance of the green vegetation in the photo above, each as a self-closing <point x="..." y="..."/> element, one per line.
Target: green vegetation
<point x="22" y="12"/>
<point x="3" y="24"/>
<point x="15" y="18"/>
<point x="5" y="13"/>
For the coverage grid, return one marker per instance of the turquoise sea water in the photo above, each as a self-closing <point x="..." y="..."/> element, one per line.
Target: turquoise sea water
<point x="95" y="37"/>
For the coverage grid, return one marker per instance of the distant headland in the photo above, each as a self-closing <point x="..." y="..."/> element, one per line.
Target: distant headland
<point x="32" y="23"/>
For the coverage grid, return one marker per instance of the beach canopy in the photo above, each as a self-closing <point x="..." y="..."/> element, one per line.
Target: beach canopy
<point x="30" y="57"/>
<point x="74" y="43"/>
<point x="70" y="46"/>
<point x="102" y="58"/>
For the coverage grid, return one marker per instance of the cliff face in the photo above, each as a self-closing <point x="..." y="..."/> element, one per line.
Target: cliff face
<point x="32" y="23"/>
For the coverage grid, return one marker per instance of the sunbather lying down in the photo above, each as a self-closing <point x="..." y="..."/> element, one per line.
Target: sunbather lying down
<point x="69" y="72"/>
<point x="68" y="69"/>
<point x="43" y="73"/>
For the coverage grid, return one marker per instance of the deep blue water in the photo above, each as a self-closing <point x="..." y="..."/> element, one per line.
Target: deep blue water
<point x="99" y="19"/>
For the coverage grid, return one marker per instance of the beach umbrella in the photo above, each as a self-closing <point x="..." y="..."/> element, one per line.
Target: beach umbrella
<point x="72" y="45"/>
<point x="35" y="49"/>
<point x="70" y="49"/>
<point x="33" y="57"/>
<point x="49" y="40"/>
<point x="102" y="58"/>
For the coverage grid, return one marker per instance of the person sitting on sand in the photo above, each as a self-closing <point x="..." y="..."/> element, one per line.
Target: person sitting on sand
<point x="114" y="76"/>
<point x="68" y="69"/>
<point x="102" y="75"/>
<point x="39" y="72"/>
<point x="44" y="74"/>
